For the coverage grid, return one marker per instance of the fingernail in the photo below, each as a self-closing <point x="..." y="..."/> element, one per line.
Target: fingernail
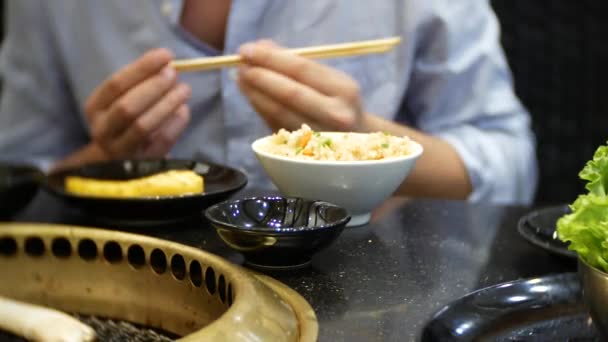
<point x="242" y="72"/>
<point x="247" y="50"/>
<point x="185" y="90"/>
<point x="168" y="73"/>
<point x="165" y="53"/>
<point x="175" y="125"/>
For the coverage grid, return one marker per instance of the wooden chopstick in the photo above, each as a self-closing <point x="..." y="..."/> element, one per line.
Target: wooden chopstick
<point x="321" y="51"/>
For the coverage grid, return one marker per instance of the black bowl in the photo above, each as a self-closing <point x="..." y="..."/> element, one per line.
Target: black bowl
<point x="277" y="232"/>
<point x="19" y="183"/>
<point x="220" y="183"/>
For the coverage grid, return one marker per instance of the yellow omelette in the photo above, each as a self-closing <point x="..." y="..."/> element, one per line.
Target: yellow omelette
<point x="169" y="183"/>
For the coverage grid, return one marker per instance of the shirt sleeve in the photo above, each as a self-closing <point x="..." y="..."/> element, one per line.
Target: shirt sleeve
<point x="39" y="122"/>
<point x="461" y="91"/>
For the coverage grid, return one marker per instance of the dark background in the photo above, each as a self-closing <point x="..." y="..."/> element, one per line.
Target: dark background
<point x="557" y="50"/>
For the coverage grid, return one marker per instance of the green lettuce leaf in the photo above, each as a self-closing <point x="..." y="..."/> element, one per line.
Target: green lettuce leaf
<point x="595" y="172"/>
<point x="586" y="228"/>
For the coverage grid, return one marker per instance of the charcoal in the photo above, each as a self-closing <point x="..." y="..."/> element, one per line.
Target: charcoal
<point x="118" y="331"/>
<point x="111" y="331"/>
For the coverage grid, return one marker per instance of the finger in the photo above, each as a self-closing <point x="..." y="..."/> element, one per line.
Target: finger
<point x="132" y="104"/>
<point x="268" y="43"/>
<point x="323" y="78"/>
<point x="163" y="110"/>
<point x="117" y="84"/>
<point x="141" y="129"/>
<point x="273" y="113"/>
<point x="299" y="98"/>
<point x="162" y="141"/>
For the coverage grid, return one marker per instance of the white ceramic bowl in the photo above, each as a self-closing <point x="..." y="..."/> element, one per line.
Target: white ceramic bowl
<point x="358" y="186"/>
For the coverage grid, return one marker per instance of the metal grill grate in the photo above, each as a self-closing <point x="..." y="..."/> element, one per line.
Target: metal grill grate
<point x="111" y="331"/>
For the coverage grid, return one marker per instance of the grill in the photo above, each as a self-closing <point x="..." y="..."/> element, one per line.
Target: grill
<point x="157" y="286"/>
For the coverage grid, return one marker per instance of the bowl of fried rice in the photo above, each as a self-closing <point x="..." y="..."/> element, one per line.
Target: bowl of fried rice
<point x="357" y="171"/>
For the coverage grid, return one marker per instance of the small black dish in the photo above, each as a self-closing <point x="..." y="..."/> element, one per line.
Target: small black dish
<point x="19" y="183"/>
<point x="538" y="227"/>
<point x="541" y="309"/>
<point x="220" y="183"/>
<point x="277" y="233"/>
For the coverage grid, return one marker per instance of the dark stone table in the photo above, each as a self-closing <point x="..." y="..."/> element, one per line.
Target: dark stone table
<point x="383" y="281"/>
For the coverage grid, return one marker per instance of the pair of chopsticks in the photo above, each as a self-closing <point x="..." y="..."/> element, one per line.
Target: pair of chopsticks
<point x="321" y="51"/>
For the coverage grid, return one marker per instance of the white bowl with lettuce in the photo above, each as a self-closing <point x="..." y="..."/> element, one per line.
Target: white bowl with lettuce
<point x="586" y="230"/>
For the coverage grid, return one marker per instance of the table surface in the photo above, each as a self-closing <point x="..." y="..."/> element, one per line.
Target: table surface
<point x="384" y="280"/>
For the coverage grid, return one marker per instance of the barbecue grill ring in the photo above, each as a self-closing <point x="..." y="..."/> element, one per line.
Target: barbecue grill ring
<point x="148" y="281"/>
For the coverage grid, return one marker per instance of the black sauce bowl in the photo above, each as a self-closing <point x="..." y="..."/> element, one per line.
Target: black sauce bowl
<point x="19" y="183"/>
<point x="275" y="232"/>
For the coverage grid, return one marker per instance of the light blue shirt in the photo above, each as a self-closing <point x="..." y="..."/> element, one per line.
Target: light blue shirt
<point x="449" y="72"/>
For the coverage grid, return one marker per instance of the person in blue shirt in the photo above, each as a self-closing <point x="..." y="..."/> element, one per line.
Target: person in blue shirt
<point x="91" y="81"/>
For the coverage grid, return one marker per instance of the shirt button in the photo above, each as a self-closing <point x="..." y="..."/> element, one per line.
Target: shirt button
<point x="166" y="8"/>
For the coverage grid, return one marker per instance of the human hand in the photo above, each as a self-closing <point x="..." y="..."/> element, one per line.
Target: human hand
<point x="141" y="110"/>
<point x="288" y="90"/>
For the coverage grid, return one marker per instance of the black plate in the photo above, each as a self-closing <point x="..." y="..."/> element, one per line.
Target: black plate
<point x="538" y="227"/>
<point x="18" y="185"/>
<point x="220" y="183"/>
<point x="540" y="309"/>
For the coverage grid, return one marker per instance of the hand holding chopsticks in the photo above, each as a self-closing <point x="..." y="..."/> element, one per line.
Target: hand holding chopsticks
<point x="322" y="51"/>
<point x="288" y="89"/>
